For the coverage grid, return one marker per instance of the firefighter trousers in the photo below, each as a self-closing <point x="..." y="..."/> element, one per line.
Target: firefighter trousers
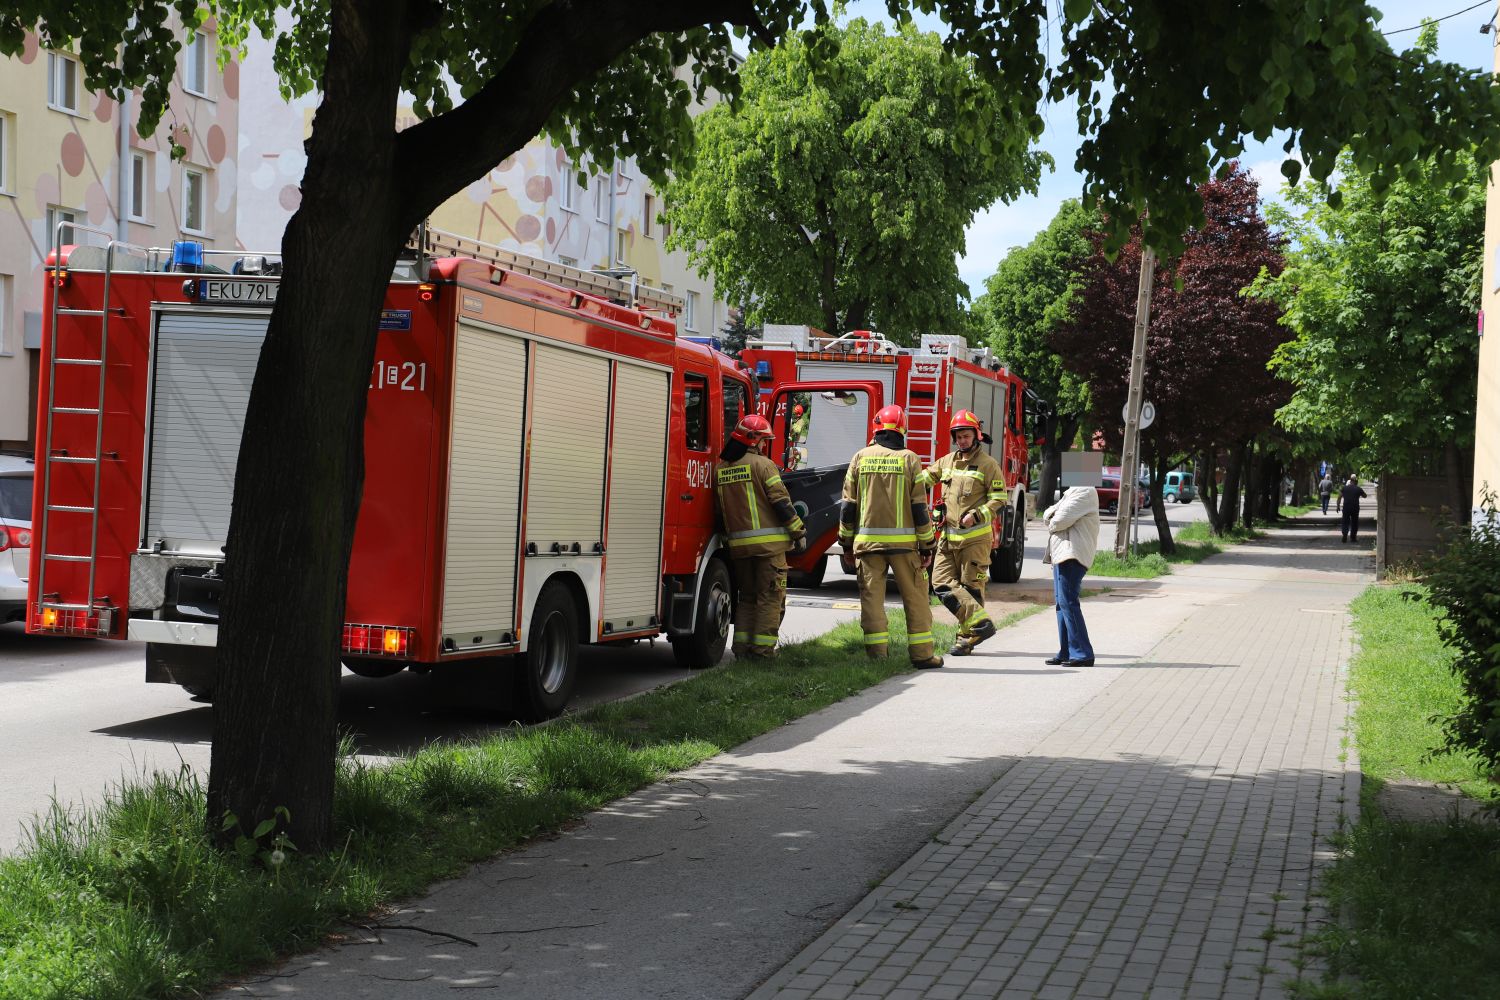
<point x="911" y="580"/>
<point x="761" y="582"/>
<point x="958" y="579"/>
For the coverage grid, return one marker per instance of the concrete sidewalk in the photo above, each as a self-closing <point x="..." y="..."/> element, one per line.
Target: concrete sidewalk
<point x="1152" y="823"/>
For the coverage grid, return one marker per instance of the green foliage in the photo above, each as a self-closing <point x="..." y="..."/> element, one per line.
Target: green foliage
<point x="1403" y="685"/>
<point x="1382" y="293"/>
<point x="837" y="193"/>
<point x="1030" y="293"/>
<point x="1465" y="584"/>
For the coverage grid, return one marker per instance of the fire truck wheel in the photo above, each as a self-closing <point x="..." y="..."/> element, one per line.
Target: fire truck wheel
<point x="811" y="579"/>
<point x="1005" y="562"/>
<point x="705" y="646"/>
<point x="549" y="668"/>
<point x="199" y="693"/>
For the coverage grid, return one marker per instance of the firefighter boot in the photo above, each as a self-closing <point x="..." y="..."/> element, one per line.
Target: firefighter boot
<point x="931" y="663"/>
<point x="965" y="643"/>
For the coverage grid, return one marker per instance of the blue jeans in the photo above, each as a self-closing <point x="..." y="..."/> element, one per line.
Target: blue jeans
<point x="1325" y="503"/>
<point x="1072" y="634"/>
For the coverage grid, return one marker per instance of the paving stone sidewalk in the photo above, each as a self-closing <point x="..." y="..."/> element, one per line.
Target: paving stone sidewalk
<point x="1164" y="841"/>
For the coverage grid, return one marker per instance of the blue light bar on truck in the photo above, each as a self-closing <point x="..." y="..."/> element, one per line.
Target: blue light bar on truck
<point x="187" y="255"/>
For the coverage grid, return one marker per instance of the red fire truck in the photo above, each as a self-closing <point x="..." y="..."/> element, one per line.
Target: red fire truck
<point x="931" y="382"/>
<point x="554" y="486"/>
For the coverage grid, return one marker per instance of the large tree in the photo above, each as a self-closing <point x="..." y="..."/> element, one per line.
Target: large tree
<point x="836" y="194"/>
<point x="1382" y="292"/>
<point x="1207" y="345"/>
<point x="1163" y="94"/>
<point x="1024" y="301"/>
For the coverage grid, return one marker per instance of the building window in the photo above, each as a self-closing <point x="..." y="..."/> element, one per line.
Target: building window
<point x="55" y="217"/>
<point x="567" y="261"/>
<point x="4" y="313"/>
<point x="666" y="227"/>
<point x="195" y="64"/>
<point x="140" y="186"/>
<point x="565" y="189"/>
<point x="690" y="311"/>
<point x="601" y="200"/>
<point x="619" y="246"/>
<point x="194" y="192"/>
<point x="648" y="217"/>
<point x="62" y="82"/>
<point x="7" y="141"/>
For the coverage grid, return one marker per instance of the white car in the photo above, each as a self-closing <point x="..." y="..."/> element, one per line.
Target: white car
<point x="16" y="475"/>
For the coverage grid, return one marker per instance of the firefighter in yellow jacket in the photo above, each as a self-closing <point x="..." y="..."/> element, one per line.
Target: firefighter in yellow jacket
<point x="758" y="517"/>
<point x="884" y="521"/>
<point x="974" y="496"/>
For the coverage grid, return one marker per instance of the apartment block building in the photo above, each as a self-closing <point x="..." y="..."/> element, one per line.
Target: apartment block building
<point x="67" y="154"/>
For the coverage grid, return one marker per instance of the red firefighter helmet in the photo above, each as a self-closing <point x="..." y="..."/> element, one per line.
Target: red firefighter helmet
<point x="891" y="418"/>
<point x="752" y="430"/>
<point x="965" y="420"/>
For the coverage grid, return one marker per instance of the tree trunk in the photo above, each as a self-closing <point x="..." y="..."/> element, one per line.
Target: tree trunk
<point x="1207" y="478"/>
<point x="301" y="461"/>
<point x="1059" y="433"/>
<point x="1252" y="486"/>
<point x="1458" y="498"/>
<point x="1159" y="469"/>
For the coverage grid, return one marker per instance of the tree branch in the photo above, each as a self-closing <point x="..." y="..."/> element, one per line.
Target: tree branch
<point x="563" y="44"/>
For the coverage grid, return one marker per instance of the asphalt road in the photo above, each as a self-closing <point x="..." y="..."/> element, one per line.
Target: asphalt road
<point x="77" y="715"/>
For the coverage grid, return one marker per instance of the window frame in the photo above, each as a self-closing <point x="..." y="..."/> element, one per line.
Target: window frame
<point x="648" y="214"/>
<point x="690" y="310"/>
<point x="601" y="201"/>
<point x="7" y="141"/>
<point x="733" y="389"/>
<point x="195" y="61"/>
<point x="695" y="380"/>
<point x="53" y="216"/>
<point x="55" y="62"/>
<point x="140" y="199"/>
<point x="202" y="175"/>
<point x="567" y="188"/>
<point x="7" y="283"/>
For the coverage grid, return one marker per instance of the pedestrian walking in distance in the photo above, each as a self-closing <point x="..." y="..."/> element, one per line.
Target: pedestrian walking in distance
<point x="1350" y="497"/>
<point x="883" y="520"/>
<point x="757" y="515"/>
<point x="1325" y="491"/>
<point x="1072" y="539"/>
<point x="973" y="497"/>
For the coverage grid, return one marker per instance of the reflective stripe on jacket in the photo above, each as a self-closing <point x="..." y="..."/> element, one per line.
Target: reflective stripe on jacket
<point x="973" y="484"/>
<point x="885" y="507"/>
<point x="749" y="491"/>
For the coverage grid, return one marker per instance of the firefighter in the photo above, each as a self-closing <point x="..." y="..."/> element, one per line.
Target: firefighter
<point x="883" y="520"/>
<point x="974" y="496"/>
<point x="758" y="517"/>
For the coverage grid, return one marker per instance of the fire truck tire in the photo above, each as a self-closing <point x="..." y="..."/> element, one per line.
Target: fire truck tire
<point x="549" y="668"/>
<point x="199" y="693"/>
<point x="812" y="579"/>
<point x="705" y="645"/>
<point x="1005" y="562"/>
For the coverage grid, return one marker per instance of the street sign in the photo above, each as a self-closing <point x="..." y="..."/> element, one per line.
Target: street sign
<point x="1148" y="413"/>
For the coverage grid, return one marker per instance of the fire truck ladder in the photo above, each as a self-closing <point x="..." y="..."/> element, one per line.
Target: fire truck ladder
<point x="922" y="392"/>
<point x="437" y="243"/>
<point x="92" y="614"/>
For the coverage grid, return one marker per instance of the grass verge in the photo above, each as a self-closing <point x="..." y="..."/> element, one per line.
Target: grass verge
<point x="1419" y="903"/>
<point x="1297" y="510"/>
<point x="129" y="900"/>
<point x="1195" y="542"/>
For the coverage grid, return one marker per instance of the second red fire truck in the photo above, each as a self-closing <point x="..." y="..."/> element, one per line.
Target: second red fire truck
<point x="932" y="382"/>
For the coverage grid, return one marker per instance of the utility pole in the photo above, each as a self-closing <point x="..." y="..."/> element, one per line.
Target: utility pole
<point x="1130" y="456"/>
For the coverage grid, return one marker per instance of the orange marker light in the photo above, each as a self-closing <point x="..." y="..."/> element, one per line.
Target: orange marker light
<point x="425" y="292"/>
<point x="49" y="618"/>
<point x="395" y="640"/>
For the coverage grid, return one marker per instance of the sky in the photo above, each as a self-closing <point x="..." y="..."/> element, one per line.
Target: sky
<point x="1003" y="226"/>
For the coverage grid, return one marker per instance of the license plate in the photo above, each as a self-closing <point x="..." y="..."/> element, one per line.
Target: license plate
<point x="249" y="293"/>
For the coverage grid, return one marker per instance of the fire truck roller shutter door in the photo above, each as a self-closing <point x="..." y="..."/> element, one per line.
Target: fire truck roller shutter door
<point x="205" y="362"/>
<point x="638" y="473"/>
<point x="984" y="406"/>
<point x="484" y="487"/>
<point x="963" y="392"/>
<point x="837" y="431"/>
<point x="569" y="426"/>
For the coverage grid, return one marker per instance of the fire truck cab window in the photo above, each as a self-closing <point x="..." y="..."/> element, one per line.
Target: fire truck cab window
<point x="695" y="407"/>
<point x="734" y="406"/>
